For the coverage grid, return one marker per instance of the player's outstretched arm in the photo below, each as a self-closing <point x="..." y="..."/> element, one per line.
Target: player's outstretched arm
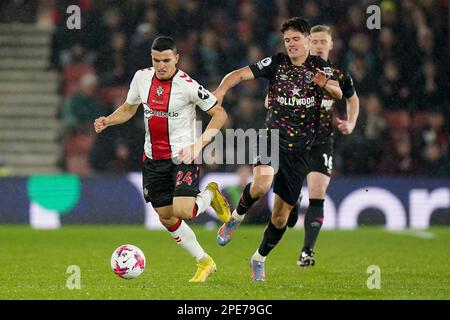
<point x="121" y="115"/>
<point x="230" y="80"/>
<point x="219" y="117"/>
<point x="347" y="126"/>
<point x="330" y="86"/>
<point x="333" y="89"/>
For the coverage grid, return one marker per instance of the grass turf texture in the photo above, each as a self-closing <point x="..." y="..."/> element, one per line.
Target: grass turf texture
<point x="34" y="264"/>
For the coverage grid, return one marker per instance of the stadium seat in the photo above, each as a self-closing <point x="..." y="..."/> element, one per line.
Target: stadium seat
<point x="77" y="148"/>
<point x="398" y="120"/>
<point x="78" y="165"/>
<point x="419" y="120"/>
<point x="113" y="95"/>
<point x="72" y="75"/>
<point x="74" y="72"/>
<point x="70" y="88"/>
<point x="80" y="144"/>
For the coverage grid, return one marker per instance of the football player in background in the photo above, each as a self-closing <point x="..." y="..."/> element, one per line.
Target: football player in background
<point x="321" y="153"/>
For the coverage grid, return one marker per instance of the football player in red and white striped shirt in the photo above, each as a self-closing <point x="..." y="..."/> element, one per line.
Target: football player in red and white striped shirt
<point x="170" y="178"/>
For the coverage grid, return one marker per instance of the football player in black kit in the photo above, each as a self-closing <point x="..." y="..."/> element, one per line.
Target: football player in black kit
<point x="297" y="83"/>
<point x="321" y="153"/>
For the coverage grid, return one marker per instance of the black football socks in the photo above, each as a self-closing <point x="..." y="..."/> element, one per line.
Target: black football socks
<point x="272" y="235"/>
<point x="246" y="201"/>
<point x="313" y="222"/>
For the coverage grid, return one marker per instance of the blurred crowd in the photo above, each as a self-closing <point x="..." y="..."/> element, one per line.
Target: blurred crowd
<point x="400" y="73"/>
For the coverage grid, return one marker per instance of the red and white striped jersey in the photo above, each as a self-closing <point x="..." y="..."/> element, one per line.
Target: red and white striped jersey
<point x="169" y="110"/>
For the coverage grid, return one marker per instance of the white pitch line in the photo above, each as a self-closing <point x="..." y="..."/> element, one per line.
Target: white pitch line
<point x="415" y="233"/>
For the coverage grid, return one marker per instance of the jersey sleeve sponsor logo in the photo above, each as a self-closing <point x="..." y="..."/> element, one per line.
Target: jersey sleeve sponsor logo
<point x="328" y="71"/>
<point x="264" y="63"/>
<point x="202" y="93"/>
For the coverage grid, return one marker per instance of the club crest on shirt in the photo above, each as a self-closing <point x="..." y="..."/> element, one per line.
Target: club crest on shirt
<point x="159" y="91"/>
<point x="309" y="76"/>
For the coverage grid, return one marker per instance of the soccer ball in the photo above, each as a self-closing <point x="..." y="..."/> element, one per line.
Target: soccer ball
<point x="128" y="262"/>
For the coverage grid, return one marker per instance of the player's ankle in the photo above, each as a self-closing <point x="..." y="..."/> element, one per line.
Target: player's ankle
<point x="258" y="257"/>
<point x="203" y="258"/>
<point x="236" y="216"/>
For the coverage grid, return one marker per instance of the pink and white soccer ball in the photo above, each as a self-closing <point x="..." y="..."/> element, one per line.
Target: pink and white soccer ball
<point x="128" y="261"/>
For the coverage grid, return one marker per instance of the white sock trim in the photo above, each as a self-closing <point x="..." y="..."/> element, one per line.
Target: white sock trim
<point x="185" y="237"/>
<point x="236" y="216"/>
<point x="258" y="257"/>
<point x="203" y="200"/>
<point x="205" y="256"/>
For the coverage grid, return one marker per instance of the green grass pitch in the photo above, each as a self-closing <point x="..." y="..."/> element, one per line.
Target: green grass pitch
<point x="33" y="265"/>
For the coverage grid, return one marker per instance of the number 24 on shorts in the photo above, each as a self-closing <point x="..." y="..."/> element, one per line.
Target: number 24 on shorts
<point x="187" y="178"/>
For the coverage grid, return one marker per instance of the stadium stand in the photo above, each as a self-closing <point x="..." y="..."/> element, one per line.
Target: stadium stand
<point x="405" y="65"/>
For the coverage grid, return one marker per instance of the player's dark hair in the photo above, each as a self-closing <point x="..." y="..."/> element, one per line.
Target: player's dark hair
<point x="297" y="24"/>
<point x="164" y="43"/>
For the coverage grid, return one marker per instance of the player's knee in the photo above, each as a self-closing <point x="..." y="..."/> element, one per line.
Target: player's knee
<point x="182" y="212"/>
<point x="167" y="222"/>
<point x="164" y="215"/>
<point x="317" y="191"/>
<point x="260" y="188"/>
<point x="164" y="222"/>
<point x="279" y="220"/>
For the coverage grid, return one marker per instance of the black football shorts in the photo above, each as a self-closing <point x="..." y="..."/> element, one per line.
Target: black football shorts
<point x="292" y="170"/>
<point x="321" y="158"/>
<point x="163" y="180"/>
